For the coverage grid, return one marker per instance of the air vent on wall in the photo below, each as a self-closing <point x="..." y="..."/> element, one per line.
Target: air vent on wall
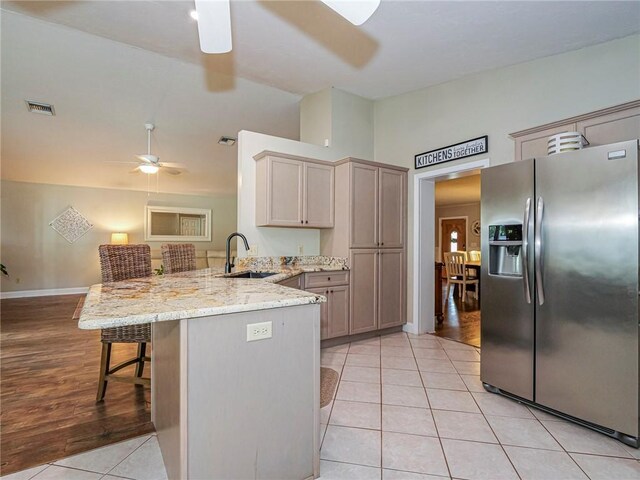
<point x="228" y="141"/>
<point x="42" y="108"/>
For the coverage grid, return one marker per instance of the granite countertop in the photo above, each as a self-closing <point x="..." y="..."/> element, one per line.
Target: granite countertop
<point x="198" y="293"/>
<point x="183" y="295"/>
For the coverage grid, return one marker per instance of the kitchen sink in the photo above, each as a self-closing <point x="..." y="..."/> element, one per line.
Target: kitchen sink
<point x="251" y="274"/>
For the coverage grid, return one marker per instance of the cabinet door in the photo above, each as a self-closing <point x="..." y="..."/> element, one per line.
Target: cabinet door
<point x="391" y="294"/>
<point x="364" y="206"/>
<point x="284" y="196"/>
<point x="391" y="201"/>
<point x="338" y="307"/>
<point x="612" y="128"/>
<point x="318" y="195"/>
<point x="535" y="144"/>
<point x="324" y="311"/>
<point x="364" y="291"/>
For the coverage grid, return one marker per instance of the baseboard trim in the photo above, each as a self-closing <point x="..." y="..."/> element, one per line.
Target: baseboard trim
<point x="44" y="292"/>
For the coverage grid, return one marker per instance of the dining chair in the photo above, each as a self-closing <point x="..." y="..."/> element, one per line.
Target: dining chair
<point x="178" y="257"/>
<point x="457" y="274"/>
<point x="117" y="263"/>
<point x="473" y="256"/>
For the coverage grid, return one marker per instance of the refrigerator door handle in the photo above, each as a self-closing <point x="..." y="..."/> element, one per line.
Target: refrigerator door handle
<point x="539" y="251"/>
<point x="525" y="250"/>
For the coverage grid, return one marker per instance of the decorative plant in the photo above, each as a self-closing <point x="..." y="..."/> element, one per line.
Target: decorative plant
<point x="159" y="271"/>
<point x="3" y="269"/>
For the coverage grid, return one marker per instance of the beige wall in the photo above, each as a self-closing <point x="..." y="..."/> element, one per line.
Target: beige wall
<point x="39" y="258"/>
<point x="343" y="119"/>
<point x="502" y="101"/>
<point x="315" y="117"/>
<point x="469" y="210"/>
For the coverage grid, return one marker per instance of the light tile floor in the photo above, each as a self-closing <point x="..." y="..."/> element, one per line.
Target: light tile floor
<point x="407" y="408"/>
<point x="413" y="408"/>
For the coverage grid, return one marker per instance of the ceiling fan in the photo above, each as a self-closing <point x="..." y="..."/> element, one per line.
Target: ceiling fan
<point x="151" y="164"/>
<point x="214" y="20"/>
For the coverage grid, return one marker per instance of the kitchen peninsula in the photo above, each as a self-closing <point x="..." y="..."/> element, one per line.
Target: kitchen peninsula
<point x="225" y="406"/>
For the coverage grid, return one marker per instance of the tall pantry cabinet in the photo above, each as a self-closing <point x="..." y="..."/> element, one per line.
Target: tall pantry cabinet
<point x="370" y="230"/>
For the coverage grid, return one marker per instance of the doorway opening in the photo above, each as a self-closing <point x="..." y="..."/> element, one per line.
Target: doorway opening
<point x="457" y="308"/>
<point x="425" y="251"/>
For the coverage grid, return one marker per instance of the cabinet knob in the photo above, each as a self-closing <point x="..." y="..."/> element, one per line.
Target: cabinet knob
<point x="328" y="279"/>
<point x="301" y="221"/>
<point x="382" y="243"/>
<point x="306" y="221"/>
<point x="330" y="291"/>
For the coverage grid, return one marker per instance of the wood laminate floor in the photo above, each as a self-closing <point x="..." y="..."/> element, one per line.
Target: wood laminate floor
<point x="49" y="376"/>
<point x="461" y="320"/>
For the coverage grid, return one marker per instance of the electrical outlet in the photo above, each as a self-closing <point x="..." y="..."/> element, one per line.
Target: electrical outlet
<point x="253" y="251"/>
<point x="258" y="331"/>
<point x="300" y="249"/>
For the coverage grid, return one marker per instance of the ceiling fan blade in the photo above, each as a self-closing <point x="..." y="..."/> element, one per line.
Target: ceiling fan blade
<point x="121" y="162"/>
<point x="172" y="171"/>
<point x="214" y="25"/>
<point x="135" y="170"/>
<point x="356" y="11"/>
<point x="173" y="165"/>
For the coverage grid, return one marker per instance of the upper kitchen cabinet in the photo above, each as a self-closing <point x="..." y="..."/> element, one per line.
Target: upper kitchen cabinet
<point x="374" y="196"/>
<point x="293" y="191"/>
<point x="364" y="206"/>
<point x="391" y="207"/>
<point x="610" y="125"/>
<point x="614" y="127"/>
<point x="535" y="144"/>
<point x="317" y="204"/>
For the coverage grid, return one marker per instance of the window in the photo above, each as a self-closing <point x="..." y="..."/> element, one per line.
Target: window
<point x="454" y="241"/>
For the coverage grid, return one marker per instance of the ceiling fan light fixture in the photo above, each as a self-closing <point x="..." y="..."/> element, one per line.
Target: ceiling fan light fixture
<point x="227" y="141"/>
<point x="149" y="169"/>
<point x="355" y="11"/>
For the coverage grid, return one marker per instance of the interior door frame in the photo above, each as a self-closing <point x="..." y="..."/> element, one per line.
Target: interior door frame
<point x="423" y="248"/>
<point x="466" y="227"/>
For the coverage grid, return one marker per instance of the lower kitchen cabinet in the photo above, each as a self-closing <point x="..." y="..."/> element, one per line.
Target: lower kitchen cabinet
<point x="364" y="287"/>
<point x="378" y="289"/>
<point x="391" y="290"/>
<point x="334" y="314"/>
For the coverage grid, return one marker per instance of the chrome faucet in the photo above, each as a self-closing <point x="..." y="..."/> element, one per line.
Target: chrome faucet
<point x="228" y="265"/>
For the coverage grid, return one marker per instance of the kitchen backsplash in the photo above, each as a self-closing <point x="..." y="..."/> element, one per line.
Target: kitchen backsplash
<point x="267" y="263"/>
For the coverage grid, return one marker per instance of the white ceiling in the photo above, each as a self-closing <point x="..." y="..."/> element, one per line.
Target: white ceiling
<point x="304" y="47"/>
<point x="104" y="92"/>
<point x="110" y="66"/>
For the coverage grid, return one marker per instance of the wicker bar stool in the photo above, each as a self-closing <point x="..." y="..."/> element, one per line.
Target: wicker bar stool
<point x="123" y="262"/>
<point x="178" y="257"/>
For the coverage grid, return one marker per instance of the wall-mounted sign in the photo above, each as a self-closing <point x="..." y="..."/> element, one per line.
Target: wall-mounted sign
<point x="453" y="152"/>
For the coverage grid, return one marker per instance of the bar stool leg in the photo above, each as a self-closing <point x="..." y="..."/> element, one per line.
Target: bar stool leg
<point x="142" y="349"/>
<point x="105" y="360"/>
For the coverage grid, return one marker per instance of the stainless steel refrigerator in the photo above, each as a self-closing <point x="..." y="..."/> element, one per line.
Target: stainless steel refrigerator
<point x="559" y="284"/>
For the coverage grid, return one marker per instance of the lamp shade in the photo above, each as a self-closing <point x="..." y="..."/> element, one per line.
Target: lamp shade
<point x="119" y="238"/>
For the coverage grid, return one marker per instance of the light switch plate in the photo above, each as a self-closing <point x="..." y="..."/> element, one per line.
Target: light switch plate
<point x="258" y="331"/>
